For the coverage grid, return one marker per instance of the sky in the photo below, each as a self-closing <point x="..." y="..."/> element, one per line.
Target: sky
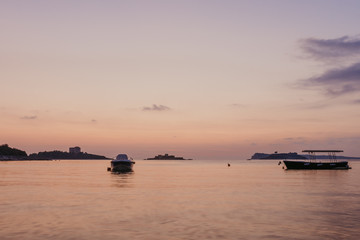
<point x="215" y="79"/>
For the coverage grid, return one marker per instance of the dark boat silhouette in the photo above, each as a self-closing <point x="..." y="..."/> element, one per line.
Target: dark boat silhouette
<point x="313" y="163"/>
<point x="122" y="164"/>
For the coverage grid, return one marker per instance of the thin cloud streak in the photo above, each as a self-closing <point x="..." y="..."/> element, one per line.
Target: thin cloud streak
<point x="29" y="117"/>
<point x="156" y="108"/>
<point x="237" y="105"/>
<point x="323" y="49"/>
<point x="338" y="81"/>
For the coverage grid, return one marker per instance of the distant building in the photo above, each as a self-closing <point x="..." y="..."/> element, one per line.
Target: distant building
<point x="75" y="150"/>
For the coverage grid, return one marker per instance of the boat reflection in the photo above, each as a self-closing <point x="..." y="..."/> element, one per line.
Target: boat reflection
<point x="122" y="179"/>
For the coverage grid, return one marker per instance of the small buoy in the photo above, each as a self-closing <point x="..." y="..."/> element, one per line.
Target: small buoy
<point x="228" y="164"/>
<point x="109" y="169"/>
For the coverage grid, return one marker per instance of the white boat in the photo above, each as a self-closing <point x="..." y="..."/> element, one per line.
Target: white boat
<point x="122" y="163"/>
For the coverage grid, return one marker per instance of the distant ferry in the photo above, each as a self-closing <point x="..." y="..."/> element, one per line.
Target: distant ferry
<point x="312" y="163"/>
<point x="166" y="157"/>
<point x="122" y="163"/>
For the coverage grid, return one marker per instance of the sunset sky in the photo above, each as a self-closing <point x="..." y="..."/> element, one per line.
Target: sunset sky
<point x="199" y="79"/>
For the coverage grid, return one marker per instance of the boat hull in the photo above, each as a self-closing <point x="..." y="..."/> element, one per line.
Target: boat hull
<point x="122" y="166"/>
<point x="316" y="165"/>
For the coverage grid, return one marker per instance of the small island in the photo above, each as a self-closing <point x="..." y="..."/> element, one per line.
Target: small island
<point x="12" y="154"/>
<point x="166" y="157"/>
<point x="74" y="153"/>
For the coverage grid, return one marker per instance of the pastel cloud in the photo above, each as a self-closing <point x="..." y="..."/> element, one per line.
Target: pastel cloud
<point x="338" y="81"/>
<point x="342" y="79"/>
<point x="325" y="49"/>
<point x="237" y="105"/>
<point x="29" y="117"/>
<point x="155" y="107"/>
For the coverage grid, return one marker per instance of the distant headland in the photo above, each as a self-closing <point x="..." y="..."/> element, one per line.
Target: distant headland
<point x="166" y="157"/>
<point x="290" y="155"/>
<point x="7" y="154"/>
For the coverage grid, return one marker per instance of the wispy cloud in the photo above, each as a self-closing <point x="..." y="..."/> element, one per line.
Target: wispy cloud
<point x="237" y="105"/>
<point x="155" y="107"/>
<point x="342" y="56"/>
<point x="328" y="49"/>
<point x="297" y="140"/>
<point x="357" y="101"/>
<point x="338" y="81"/>
<point x="29" y="117"/>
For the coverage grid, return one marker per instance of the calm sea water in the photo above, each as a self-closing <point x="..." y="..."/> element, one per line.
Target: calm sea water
<point x="177" y="200"/>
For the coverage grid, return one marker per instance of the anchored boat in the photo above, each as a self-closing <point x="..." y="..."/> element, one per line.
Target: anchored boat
<point x="122" y="163"/>
<point x="313" y="163"/>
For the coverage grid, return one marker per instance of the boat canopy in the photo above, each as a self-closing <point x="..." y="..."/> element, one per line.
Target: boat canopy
<point x="122" y="157"/>
<point x="329" y="151"/>
<point x="331" y="154"/>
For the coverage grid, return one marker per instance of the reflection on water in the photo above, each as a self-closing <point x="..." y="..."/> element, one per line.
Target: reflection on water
<point x="122" y="179"/>
<point x="177" y="200"/>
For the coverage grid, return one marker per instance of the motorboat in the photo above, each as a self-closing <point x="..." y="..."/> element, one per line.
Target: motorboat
<point x="122" y="163"/>
<point x="313" y="163"/>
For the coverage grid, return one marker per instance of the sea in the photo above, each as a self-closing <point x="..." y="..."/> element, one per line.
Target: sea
<point x="198" y="199"/>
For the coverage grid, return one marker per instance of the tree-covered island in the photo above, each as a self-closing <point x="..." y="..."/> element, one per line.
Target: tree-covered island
<point x="7" y="154"/>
